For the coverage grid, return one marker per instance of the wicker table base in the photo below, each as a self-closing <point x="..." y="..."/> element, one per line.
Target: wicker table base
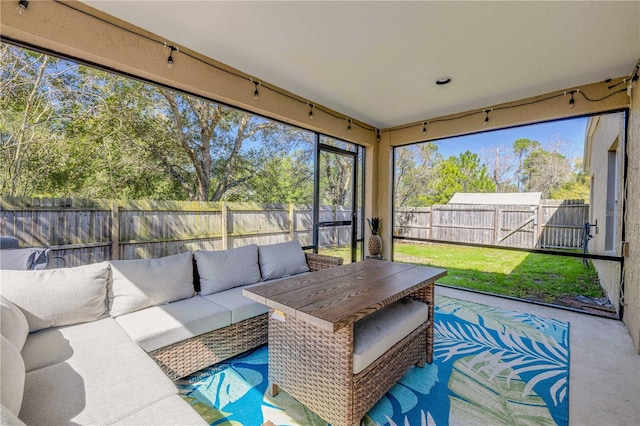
<point x="315" y="366"/>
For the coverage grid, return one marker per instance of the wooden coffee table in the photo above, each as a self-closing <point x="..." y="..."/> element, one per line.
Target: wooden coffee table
<point x="311" y="334"/>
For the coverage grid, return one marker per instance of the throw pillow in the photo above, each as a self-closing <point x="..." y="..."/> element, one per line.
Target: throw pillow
<point x="225" y="269"/>
<point x="281" y="260"/>
<point x="56" y="297"/>
<point x="140" y="283"/>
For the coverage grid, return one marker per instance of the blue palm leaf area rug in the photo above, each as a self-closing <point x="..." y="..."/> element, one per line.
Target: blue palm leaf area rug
<point x="491" y="367"/>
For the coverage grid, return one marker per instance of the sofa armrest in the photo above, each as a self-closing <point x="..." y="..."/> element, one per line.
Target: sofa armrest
<point x="320" y="261"/>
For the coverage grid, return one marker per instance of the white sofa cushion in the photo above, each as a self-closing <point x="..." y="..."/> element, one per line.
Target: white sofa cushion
<point x="282" y="260"/>
<point x="241" y="307"/>
<point x="7" y="418"/>
<point x="225" y="269"/>
<point x="94" y="387"/>
<point x="11" y="376"/>
<point x="375" y="334"/>
<point x="54" y="345"/>
<point x="159" y="326"/>
<point x="58" y="297"/>
<point x="13" y="323"/>
<point x="173" y="410"/>
<point x="140" y="283"/>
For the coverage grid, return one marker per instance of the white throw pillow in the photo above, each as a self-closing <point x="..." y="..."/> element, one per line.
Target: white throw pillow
<point x="281" y="260"/>
<point x="226" y="269"/>
<point x="140" y="283"/>
<point x="12" y="375"/>
<point x="13" y="324"/>
<point x="56" y="297"/>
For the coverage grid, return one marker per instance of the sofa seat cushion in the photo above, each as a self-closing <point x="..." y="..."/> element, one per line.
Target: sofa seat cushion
<point x="159" y="326"/>
<point x="13" y="323"/>
<point x="12" y="376"/>
<point x="375" y="334"/>
<point x="140" y="283"/>
<point x="241" y="307"/>
<point x="54" y="345"/>
<point x="56" y="297"/>
<point x="172" y="410"/>
<point x="282" y="260"/>
<point x="92" y="388"/>
<point x="225" y="269"/>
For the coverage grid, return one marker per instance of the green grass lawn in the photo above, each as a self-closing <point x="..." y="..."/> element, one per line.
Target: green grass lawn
<point x="525" y="275"/>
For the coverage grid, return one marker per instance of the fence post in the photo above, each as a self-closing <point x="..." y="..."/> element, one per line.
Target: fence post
<point x="538" y="227"/>
<point x="430" y="222"/>
<point x="224" y="226"/>
<point x="115" y="231"/>
<point x="292" y="224"/>
<point x="496" y="226"/>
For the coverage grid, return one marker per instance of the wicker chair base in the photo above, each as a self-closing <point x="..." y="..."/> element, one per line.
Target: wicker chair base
<point x="188" y="356"/>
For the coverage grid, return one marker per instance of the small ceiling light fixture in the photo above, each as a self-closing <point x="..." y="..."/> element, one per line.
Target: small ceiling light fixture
<point x="348" y="125"/>
<point x="310" y="110"/>
<point x="443" y="81"/>
<point x="22" y="6"/>
<point x="378" y="135"/>
<point x="256" y="93"/>
<point x="572" y="101"/>
<point x="170" y="58"/>
<point x="486" y="117"/>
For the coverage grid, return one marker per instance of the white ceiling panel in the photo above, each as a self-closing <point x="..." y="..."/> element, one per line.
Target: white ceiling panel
<point x="377" y="61"/>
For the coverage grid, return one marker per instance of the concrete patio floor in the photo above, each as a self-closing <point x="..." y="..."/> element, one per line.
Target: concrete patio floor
<point x="604" y="375"/>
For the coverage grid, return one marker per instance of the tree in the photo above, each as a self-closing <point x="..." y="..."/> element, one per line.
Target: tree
<point x="576" y="188"/>
<point x="522" y="148"/>
<point x="501" y="166"/>
<point x="287" y="179"/>
<point x="336" y="172"/>
<point x="415" y="174"/>
<point x="545" y="171"/>
<point x="464" y="173"/>
<point x="72" y="130"/>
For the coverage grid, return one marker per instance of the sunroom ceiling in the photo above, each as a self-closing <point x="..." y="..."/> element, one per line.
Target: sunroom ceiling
<point x="377" y="61"/>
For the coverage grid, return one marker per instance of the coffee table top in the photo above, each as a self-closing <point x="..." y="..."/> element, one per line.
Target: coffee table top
<point x="336" y="297"/>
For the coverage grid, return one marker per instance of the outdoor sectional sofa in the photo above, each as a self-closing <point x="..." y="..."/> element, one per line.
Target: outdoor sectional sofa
<point x="79" y="344"/>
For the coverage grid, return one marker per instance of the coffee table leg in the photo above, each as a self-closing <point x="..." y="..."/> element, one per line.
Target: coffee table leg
<point x="274" y="389"/>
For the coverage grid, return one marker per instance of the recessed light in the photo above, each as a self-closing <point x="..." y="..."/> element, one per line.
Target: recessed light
<point x="442" y="81"/>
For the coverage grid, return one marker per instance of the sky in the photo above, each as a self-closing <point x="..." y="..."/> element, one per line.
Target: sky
<point x="570" y="131"/>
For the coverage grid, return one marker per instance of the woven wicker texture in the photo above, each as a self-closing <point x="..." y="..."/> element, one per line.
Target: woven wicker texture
<point x="317" y="262"/>
<point x="374" y="381"/>
<point x="315" y="366"/>
<point x="318" y="373"/>
<point x="427" y="295"/>
<point x="183" y="358"/>
<point x="188" y="356"/>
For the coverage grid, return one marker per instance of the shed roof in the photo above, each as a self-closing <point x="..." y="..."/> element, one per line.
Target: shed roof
<point x="493" y="198"/>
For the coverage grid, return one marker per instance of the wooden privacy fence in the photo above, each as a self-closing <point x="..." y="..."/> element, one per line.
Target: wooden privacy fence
<point x="82" y="231"/>
<point x="550" y="224"/>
